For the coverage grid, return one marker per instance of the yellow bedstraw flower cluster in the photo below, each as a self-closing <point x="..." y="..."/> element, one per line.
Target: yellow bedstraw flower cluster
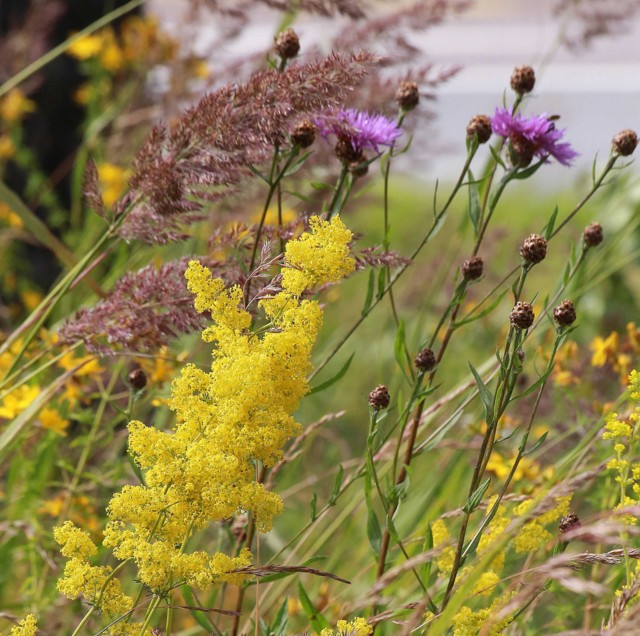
<point x="228" y="420"/>
<point x="485" y="621"/>
<point x="356" y="627"/>
<point x="624" y="435"/>
<point x="26" y="627"/>
<point x="533" y="534"/>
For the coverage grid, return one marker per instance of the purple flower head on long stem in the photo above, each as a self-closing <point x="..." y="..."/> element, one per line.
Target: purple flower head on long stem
<point x="539" y="132"/>
<point x="362" y="129"/>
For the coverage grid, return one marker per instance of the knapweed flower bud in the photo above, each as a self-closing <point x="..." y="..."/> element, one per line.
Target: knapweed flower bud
<point x="303" y="134"/>
<point x="137" y="379"/>
<point x="287" y="44"/>
<point x="480" y="125"/>
<point x="425" y="360"/>
<point x="521" y="355"/>
<point x="379" y="398"/>
<point x="523" y="79"/>
<point x="407" y="96"/>
<point x="534" y="249"/>
<point x="522" y="315"/>
<point x="625" y="142"/>
<point x="521" y="151"/>
<point x="565" y="313"/>
<point x="472" y="268"/>
<point x="346" y="152"/>
<point x="593" y="235"/>
<point x="570" y="522"/>
<point x="359" y="168"/>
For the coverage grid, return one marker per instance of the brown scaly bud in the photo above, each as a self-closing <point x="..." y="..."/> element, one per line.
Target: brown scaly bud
<point x="523" y="79"/>
<point x="137" y="379"/>
<point x="522" y="315"/>
<point x="346" y="152"/>
<point x="521" y="355"/>
<point x="287" y="44"/>
<point x="425" y="360"/>
<point x="359" y="168"/>
<point x="303" y="134"/>
<point x="625" y="142"/>
<point x="239" y="527"/>
<point x="565" y="313"/>
<point x="534" y="249"/>
<point x="568" y="523"/>
<point x="521" y="151"/>
<point x="379" y="398"/>
<point x="593" y="235"/>
<point x="480" y="125"/>
<point x="472" y="268"/>
<point x="407" y="96"/>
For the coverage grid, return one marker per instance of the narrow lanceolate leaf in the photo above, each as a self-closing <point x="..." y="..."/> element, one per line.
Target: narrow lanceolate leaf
<point x="547" y="231"/>
<point x="337" y="484"/>
<point x="200" y="617"/>
<point x="485" y="395"/>
<point x="280" y="622"/>
<point x="334" y="379"/>
<point x="374" y="533"/>
<point x="317" y="620"/>
<point x="370" y="289"/>
<point x="474" y="202"/>
<point x="481" y="314"/>
<point x="476" y="497"/>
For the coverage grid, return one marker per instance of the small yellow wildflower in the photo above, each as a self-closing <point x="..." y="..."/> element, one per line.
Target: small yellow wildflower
<point x="14" y="106"/>
<point x="441" y="536"/>
<point x="9" y="216"/>
<point x="26" y="627"/>
<point x="7" y="148"/>
<point x="484" y="621"/>
<point x="52" y="420"/>
<point x="83" y="365"/>
<point x="604" y="349"/>
<point x="18" y="400"/>
<point x="356" y="627"/>
<point x="30" y="299"/>
<point x="86" y="47"/>
<point x="113" y="181"/>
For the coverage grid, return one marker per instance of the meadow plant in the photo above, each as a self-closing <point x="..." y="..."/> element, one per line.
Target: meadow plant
<point x="465" y="463"/>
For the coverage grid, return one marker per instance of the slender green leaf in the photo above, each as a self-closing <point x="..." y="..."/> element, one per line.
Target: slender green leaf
<point x="337" y="484"/>
<point x="317" y="620"/>
<point x="476" y="497"/>
<point x="200" y="617"/>
<point x="485" y="395"/>
<point x="474" y="203"/>
<point x="281" y="621"/>
<point x="334" y="379"/>
<point x="370" y="288"/>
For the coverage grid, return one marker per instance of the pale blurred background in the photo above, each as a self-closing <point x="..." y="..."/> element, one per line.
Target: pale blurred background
<point x="594" y="87"/>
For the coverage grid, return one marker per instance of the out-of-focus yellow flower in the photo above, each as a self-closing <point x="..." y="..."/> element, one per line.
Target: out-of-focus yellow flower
<point x="604" y="349"/>
<point x="18" y="400"/>
<point x="111" y="56"/>
<point x="90" y="364"/>
<point x="9" y="216"/>
<point x="14" y="106"/>
<point x="7" y="148"/>
<point x="113" y="181"/>
<point x="26" y="627"/>
<point x="288" y="215"/>
<point x="564" y="377"/>
<point x="30" y="299"/>
<point x="52" y="420"/>
<point x="86" y="47"/>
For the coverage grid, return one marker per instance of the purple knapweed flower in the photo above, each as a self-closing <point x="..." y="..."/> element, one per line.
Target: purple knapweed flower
<point x="362" y="129"/>
<point x="539" y="131"/>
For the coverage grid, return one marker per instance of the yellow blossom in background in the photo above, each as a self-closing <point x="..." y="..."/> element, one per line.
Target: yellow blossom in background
<point x="30" y="299"/>
<point x="7" y="147"/>
<point x="14" y="106"/>
<point x="564" y="378"/>
<point x="18" y="400"/>
<point x="86" y="47"/>
<point x="533" y="535"/>
<point x="84" y="365"/>
<point x="26" y="627"/>
<point x="8" y="216"/>
<point x="288" y="215"/>
<point x="604" y="349"/>
<point x="441" y="536"/>
<point x="113" y="181"/>
<point x="356" y="627"/>
<point x="52" y="420"/>
<point x="484" y="621"/>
